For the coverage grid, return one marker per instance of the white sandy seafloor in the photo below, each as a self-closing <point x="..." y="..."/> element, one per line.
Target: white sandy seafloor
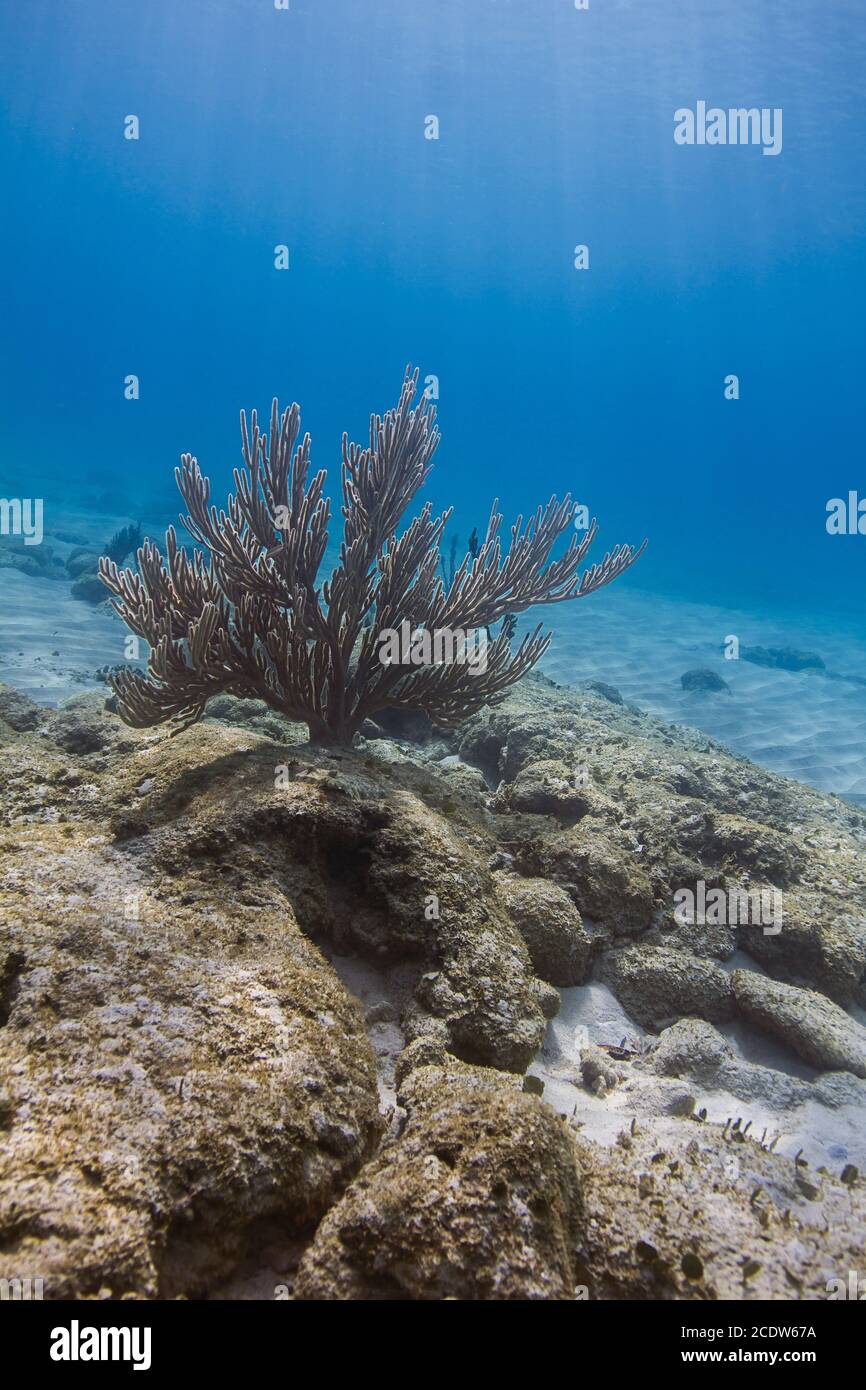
<point x="819" y="1115"/>
<point x="804" y="724"/>
<point x="51" y="644"/>
<point x="766" y="1084"/>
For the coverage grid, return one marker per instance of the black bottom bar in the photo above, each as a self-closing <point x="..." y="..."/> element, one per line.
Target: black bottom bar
<point x="261" y="1339"/>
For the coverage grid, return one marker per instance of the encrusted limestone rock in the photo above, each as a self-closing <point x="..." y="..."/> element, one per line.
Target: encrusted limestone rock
<point x="599" y="867"/>
<point x="817" y="1029"/>
<point x="366" y="864"/>
<point x="82" y="726"/>
<point x="710" y="1217"/>
<point x="176" y="1073"/>
<point x="657" y="985"/>
<point x="691" y="1047"/>
<point x="559" y="946"/>
<point x="478" y="1199"/>
<point x="486" y="1194"/>
<point x="552" y="788"/>
<point x="17" y="710"/>
<point x="597" y="1070"/>
<point x="182" y="1069"/>
<point x="669" y="807"/>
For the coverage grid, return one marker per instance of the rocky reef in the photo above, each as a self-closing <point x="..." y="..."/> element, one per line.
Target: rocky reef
<point x="277" y="1017"/>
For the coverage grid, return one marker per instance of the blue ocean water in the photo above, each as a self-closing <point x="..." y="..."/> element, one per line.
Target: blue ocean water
<point x="308" y="127"/>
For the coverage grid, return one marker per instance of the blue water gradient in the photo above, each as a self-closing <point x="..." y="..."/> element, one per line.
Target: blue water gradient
<point x="306" y="127"/>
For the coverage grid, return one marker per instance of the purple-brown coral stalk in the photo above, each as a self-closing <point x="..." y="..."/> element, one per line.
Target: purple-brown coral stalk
<point x="246" y="615"/>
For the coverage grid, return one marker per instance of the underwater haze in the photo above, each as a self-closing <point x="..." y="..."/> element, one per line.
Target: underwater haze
<point x="496" y="192"/>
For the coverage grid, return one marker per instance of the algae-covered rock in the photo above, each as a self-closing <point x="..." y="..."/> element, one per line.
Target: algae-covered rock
<point x="782" y="658"/>
<point x="366" y="864"/>
<point x="597" y="1070"/>
<point x="737" y="843"/>
<point x="17" y="710"/>
<point x="600" y="869"/>
<point x="256" y="715"/>
<point x="710" y="1217"/>
<point x="82" y="561"/>
<point x="550" y="924"/>
<point x="670" y="807"/>
<point x="183" y="1071"/>
<point x="814" y="1027"/>
<point x="702" y="679"/>
<point x="691" y="1047"/>
<point x="822" y="943"/>
<point x="89" y="588"/>
<point x="176" y="1074"/>
<point x="477" y="1199"/>
<point x="551" y="788"/>
<point x="605" y="689"/>
<point x="658" y="984"/>
<point x="82" y="725"/>
<point x="486" y="1194"/>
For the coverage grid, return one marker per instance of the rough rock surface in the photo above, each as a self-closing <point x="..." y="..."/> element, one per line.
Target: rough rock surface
<point x="596" y="1069"/>
<point x="368" y="867"/>
<point x="17" y="710"/>
<point x="713" y="1216"/>
<point x="478" y="1198"/>
<point x="658" y="984"/>
<point x="486" y="1194"/>
<point x="701" y="678"/>
<point x="697" y="1052"/>
<point x="89" y="588"/>
<point x="670" y="808"/>
<point x="184" y="1075"/>
<point x="782" y="658"/>
<point x="82" y="561"/>
<point x="550" y="924"/>
<point x="817" y="1030"/>
<point x="548" y="788"/>
<point x="597" y="864"/>
<point x="691" y="1047"/>
<point x="175" y="1072"/>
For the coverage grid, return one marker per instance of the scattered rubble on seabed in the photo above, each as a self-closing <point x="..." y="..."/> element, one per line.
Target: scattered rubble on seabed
<point x="417" y="1019"/>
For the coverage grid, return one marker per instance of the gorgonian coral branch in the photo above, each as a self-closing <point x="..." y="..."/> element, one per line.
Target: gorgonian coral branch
<point x="246" y="615"/>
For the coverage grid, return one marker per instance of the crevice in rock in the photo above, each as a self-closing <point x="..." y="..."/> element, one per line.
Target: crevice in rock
<point x="10" y="983"/>
<point x="267" y="1264"/>
<point x="382" y="995"/>
<point x="258" y="1258"/>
